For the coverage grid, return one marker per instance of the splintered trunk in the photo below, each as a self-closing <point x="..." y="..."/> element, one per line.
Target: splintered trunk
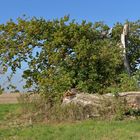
<point x="124" y="46"/>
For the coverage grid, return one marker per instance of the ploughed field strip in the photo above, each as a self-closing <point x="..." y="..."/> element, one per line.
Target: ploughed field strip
<point x="8" y="98"/>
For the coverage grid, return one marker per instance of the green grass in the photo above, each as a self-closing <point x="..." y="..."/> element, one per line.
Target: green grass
<point x="5" y="109"/>
<point x="86" y="130"/>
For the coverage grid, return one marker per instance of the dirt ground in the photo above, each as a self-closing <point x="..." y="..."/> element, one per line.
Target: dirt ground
<point x="8" y="98"/>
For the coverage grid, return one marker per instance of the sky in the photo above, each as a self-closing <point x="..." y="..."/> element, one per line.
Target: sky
<point x="109" y="11"/>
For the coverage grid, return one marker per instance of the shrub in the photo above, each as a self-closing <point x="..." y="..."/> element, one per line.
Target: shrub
<point x="128" y="83"/>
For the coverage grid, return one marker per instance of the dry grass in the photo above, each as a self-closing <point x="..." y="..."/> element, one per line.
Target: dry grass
<point x="9" y="98"/>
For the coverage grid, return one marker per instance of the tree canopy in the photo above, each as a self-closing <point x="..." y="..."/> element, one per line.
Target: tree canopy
<point x="63" y="54"/>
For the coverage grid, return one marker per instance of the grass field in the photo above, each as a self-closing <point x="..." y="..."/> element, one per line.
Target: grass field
<point x="86" y="130"/>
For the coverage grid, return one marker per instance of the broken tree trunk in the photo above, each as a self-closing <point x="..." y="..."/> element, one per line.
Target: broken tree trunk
<point x="132" y="99"/>
<point x="124" y="36"/>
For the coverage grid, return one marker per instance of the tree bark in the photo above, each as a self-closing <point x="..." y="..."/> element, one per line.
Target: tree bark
<point x="124" y="36"/>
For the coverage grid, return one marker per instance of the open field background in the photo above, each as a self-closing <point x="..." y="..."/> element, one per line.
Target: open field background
<point x="9" y="98"/>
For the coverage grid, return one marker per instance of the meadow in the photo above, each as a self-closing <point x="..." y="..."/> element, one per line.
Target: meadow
<point x="80" y="130"/>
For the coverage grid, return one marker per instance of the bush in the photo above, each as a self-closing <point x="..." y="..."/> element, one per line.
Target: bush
<point x="125" y="83"/>
<point x="128" y="83"/>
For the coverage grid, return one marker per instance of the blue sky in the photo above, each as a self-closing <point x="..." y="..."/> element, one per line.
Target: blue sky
<point x="109" y="11"/>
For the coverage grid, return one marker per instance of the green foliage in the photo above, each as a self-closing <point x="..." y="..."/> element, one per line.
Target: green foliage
<point x="125" y="83"/>
<point x="128" y="83"/>
<point x="1" y="90"/>
<point x="63" y="54"/>
<point x="134" y="112"/>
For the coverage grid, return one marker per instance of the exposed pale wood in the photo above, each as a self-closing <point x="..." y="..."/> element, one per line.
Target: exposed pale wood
<point x="124" y="46"/>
